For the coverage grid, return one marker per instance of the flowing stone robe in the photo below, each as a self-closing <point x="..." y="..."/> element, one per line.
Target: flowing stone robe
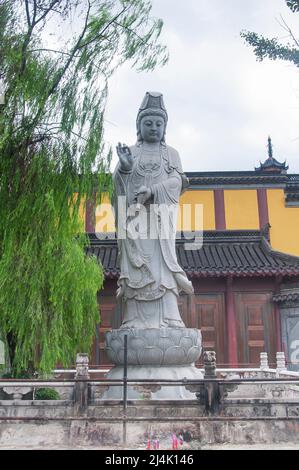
<point x="149" y="264"/>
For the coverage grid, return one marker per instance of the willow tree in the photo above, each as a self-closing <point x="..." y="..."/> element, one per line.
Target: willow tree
<point x="272" y="48"/>
<point x="51" y="147"/>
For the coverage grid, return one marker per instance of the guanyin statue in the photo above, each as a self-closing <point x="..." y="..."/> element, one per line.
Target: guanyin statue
<point x="150" y="177"/>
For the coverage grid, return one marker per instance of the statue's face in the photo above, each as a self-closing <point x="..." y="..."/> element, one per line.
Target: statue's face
<point x="152" y="128"/>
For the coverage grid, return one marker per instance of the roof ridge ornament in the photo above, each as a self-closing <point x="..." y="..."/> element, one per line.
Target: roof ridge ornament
<point x="270" y="148"/>
<point x="271" y="164"/>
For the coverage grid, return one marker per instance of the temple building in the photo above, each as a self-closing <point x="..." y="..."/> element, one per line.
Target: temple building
<point x="245" y="274"/>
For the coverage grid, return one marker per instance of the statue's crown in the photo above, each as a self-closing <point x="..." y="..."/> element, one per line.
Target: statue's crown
<point x="152" y="104"/>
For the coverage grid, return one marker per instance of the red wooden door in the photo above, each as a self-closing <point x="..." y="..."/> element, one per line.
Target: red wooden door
<point x="202" y="311"/>
<point x="255" y="327"/>
<point x="207" y="314"/>
<point x="107" y="306"/>
<point x="184" y="304"/>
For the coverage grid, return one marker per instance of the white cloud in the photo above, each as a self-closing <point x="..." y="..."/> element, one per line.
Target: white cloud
<point x="222" y="103"/>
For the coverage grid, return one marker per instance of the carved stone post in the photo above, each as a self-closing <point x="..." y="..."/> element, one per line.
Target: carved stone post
<point x="81" y="384"/>
<point x="264" y="361"/>
<point x="280" y="361"/>
<point x="211" y="387"/>
<point x="209" y="360"/>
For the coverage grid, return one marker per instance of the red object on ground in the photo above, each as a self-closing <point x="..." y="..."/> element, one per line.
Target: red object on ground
<point x="156" y="444"/>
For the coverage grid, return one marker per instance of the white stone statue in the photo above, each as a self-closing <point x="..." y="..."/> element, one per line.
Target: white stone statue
<point x="148" y="183"/>
<point x="149" y="179"/>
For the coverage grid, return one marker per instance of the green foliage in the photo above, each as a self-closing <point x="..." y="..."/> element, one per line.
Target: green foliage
<point x="46" y="394"/>
<point x="51" y="145"/>
<point x="293" y="5"/>
<point x="271" y="48"/>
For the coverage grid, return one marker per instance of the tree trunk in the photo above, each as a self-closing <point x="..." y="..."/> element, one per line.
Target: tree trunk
<point x="11" y="345"/>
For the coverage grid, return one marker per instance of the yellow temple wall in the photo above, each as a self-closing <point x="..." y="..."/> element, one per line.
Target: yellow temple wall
<point x="104" y="219"/>
<point x="241" y="209"/>
<point x="284" y="223"/>
<point x="206" y="200"/>
<point x="241" y="213"/>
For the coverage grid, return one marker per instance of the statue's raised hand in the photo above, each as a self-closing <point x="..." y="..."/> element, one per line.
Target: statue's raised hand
<point x="125" y="157"/>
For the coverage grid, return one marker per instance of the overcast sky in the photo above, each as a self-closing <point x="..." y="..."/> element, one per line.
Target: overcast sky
<point x="222" y="103"/>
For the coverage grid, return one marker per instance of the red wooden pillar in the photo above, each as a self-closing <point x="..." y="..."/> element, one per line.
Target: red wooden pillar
<point x="231" y="324"/>
<point x="279" y="348"/>
<point x="90" y="215"/>
<point x="263" y="207"/>
<point x="278" y="328"/>
<point x="220" y="221"/>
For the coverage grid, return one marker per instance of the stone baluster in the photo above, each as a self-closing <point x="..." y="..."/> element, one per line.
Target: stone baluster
<point x="264" y="361"/>
<point x="280" y="361"/>
<point x="82" y="363"/>
<point x="81" y="384"/>
<point x="209" y="359"/>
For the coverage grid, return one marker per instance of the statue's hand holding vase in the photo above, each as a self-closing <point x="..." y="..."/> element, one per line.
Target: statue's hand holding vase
<point x="143" y="195"/>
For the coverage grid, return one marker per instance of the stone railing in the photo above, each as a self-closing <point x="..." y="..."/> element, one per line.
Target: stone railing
<point x="83" y="390"/>
<point x="261" y="403"/>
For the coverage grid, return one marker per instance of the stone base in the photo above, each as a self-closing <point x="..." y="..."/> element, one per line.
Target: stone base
<point x="154" y="346"/>
<point x="153" y="391"/>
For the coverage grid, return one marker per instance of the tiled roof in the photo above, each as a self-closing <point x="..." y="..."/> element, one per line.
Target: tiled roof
<point x="223" y="178"/>
<point x="292" y="189"/>
<point x="288" y="293"/>
<point x="215" y="179"/>
<point x="225" y="253"/>
<point x="271" y="164"/>
<point x="286" y="297"/>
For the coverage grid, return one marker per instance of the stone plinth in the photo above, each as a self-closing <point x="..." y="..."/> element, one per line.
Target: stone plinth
<point x="154" y="346"/>
<point x="154" y="354"/>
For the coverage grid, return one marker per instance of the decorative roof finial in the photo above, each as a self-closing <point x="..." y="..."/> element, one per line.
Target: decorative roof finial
<point x="271" y="164"/>
<point x="270" y="148"/>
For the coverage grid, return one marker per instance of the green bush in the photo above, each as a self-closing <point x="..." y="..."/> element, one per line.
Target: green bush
<point x="46" y="394"/>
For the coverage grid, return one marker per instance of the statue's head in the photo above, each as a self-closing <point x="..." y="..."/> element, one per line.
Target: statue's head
<point x="152" y="118"/>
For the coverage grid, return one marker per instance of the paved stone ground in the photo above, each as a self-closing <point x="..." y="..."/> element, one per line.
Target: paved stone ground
<point x="253" y="447"/>
<point x="191" y="446"/>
